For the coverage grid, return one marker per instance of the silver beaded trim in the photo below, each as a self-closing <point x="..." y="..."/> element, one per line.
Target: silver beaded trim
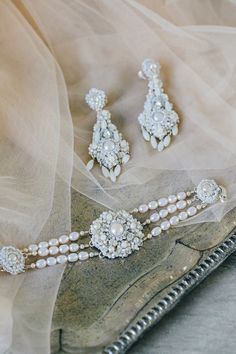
<point x="177" y="292"/>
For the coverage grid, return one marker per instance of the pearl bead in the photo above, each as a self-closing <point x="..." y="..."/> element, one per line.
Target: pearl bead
<point x="51" y="261"/>
<point x="83" y="256"/>
<point x="73" y="257"/>
<point x="163" y="213"/>
<point x="165" y="225"/>
<point x="43" y="244"/>
<point x="183" y="215"/>
<point x="153" y="205"/>
<point x="162" y="202"/>
<point x="53" y="242"/>
<point x="74" y="247"/>
<point x="172" y="198"/>
<point x="155" y="217"/>
<point x="64" y="248"/>
<point x="143" y="208"/>
<point x="174" y="220"/>
<point x="109" y="145"/>
<point x="53" y="250"/>
<point x="41" y="263"/>
<point x="192" y="211"/>
<point x="33" y="248"/>
<point x="62" y="259"/>
<point x="181" y="204"/>
<point x="43" y="252"/>
<point x="181" y="195"/>
<point x="172" y="208"/>
<point x="63" y="239"/>
<point x="116" y="229"/>
<point x="156" y="231"/>
<point x="74" y="236"/>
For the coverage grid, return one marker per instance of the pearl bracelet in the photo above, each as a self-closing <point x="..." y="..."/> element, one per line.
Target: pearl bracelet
<point x="113" y="234"/>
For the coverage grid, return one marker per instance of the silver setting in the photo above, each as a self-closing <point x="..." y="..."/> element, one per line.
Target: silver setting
<point x="116" y="234"/>
<point x="108" y="146"/>
<point x="12" y="260"/>
<point x="208" y="191"/>
<point x="159" y="122"/>
<point x="182" y="287"/>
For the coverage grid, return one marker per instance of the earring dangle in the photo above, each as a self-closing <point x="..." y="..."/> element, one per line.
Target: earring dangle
<point x="108" y="146"/>
<point x="158" y="120"/>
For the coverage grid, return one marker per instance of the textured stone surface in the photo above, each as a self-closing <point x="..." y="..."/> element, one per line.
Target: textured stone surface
<point x="100" y="298"/>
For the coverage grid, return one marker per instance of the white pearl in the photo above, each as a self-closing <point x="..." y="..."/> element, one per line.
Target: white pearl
<point x="73" y="257"/>
<point x="143" y="208"/>
<point x="163" y="213"/>
<point x="116" y="229"/>
<point x="62" y="259"/>
<point x="183" y="215"/>
<point x="181" y="204"/>
<point x="181" y="195"/>
<point x="43" y="252"/>
<point x="41" y="263"/>
<point x="74" y="236"/>
<point x="53" y="242"/>
<point x="33" y="248"/>
<point x="174" y="220"/>
<point x="64" y="248"/>
<point x="172" y="198"/>
<point x="165" y="225"/>
<point x="53" y="250"/>
<point x="156" y="231"/>
<point x="74" y="247"/>
<point x="163" y="202"/>
<point x="172" y="208"/>
<point x="155" y="217"/>
<point x="192" y="211"/>
<point x="153" y="205"/>
<point x="43" y="244"/>
<point x="51" y="261"/>
<point x="83" y="256"/>
<point x="63" y="239"/>
<point x="109" y="145"/>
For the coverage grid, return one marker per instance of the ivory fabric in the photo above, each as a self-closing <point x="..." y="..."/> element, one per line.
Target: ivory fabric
<point x="52" y="52"/>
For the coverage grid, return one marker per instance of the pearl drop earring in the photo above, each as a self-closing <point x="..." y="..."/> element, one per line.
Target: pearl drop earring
<point x="108" y="146"/>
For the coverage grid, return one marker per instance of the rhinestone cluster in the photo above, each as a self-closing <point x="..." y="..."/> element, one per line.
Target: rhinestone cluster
<point x="116" y="234"/>
<point x="12" y="260"/>
<point x="108" y="146"/>
<point x="158" y="120"/>
<point x="208" y="191"/>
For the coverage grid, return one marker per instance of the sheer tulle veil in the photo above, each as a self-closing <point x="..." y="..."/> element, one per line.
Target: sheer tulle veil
<point x="52" y="53"/>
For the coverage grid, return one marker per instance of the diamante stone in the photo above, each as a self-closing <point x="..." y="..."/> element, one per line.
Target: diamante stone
<point x="109" y="145"/>
<point x="208" y="191"/>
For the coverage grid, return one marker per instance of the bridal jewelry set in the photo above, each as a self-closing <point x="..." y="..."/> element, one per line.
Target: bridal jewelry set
<point x="158" y="121"/>
<point x="119" y="233"/>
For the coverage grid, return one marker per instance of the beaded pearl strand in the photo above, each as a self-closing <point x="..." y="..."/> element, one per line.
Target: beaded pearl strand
<point x="59" y="251"/>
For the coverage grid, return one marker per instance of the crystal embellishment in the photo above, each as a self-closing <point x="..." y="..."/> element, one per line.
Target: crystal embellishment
<point x="108" y="146"/>
<point x="208" y="191"/>
<point x="159" y="122"/>
<point x="116" y="234"/>
<point x="12" y="260"/>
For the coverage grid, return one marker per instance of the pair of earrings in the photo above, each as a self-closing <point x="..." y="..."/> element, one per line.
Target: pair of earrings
<point x="158" y="121"/>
